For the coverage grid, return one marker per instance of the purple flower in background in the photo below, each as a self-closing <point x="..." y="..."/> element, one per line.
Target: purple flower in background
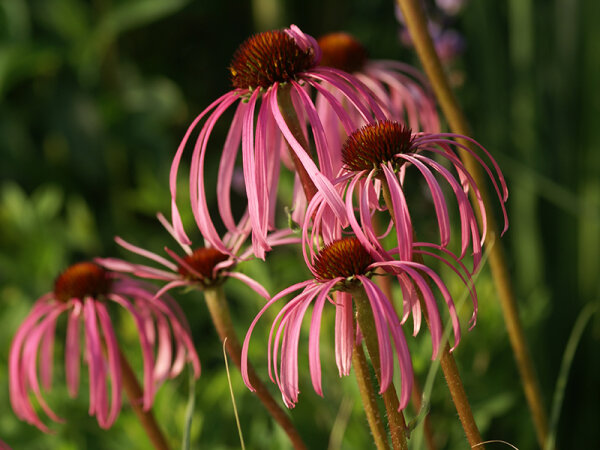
<point x="266" y="67"/>
<point x="83" y="292"/>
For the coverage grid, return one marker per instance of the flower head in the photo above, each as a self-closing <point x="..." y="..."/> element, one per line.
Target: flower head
<point x="342" y="268"/>
<point x="83" y="292"/>
<point x="379" y="155"/>
<point x="402" y="90"/>
<point x="199" y="267"/>
<point x="274" y="77"/>
<point x="268" y="58"/>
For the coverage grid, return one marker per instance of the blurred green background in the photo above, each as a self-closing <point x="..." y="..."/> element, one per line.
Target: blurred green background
<point x="94" y="97"/>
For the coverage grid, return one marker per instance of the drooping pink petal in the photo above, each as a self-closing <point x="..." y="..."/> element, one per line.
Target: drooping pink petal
<point x="435" y="323"/>
<point x="439" y="201"/>
<point x="114" y="363"/>
<point x="72" y="350"/>
<point x="244" y="357"/>
<point x="148" y="385"/>
<point x="402" y="219"/>
<point x="254" y="285"/>
<point x="314" y="359"/>
<point x="321" y="182"/>
<point x="95" y="361"/>
<point x="344" y="332"/>
<point x="175" y="216"/>
<point x="226" y="166"/>
<point x="386" y="361"/>
<point x="404" y="360"/>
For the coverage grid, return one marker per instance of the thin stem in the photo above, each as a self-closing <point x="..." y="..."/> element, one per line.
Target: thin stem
<point x="417" y="26"/>
<point x="455" y="386"/>
<point x="368" y="396"/>
<point x="219" y="311"/>
<point x="134" y="393"/>
<point x="364" y="316"/>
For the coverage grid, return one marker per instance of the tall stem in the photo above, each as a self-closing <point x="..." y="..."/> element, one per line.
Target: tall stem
<point x="219" y="311"/>
<point x="457" y="390"/>
<point x="134" y="393"/>
<point x="368" y="396"/>
<point x="364" y="316"/>
<point x="417" y="26"/>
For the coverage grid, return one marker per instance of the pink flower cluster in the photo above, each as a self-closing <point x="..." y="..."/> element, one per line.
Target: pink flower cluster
<point x="356" y="134"/>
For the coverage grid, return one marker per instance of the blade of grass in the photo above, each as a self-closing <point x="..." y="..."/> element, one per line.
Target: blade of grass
<point x="340" y="424"/>
<point x="189" y="412"/>
<point x="237" y="418"/>
<point x="565" y="367"/>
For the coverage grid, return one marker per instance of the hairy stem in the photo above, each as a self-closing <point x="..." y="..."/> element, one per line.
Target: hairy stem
<point x="219" y="311"/>
<point x="368" y="396"/>
<point x="134" y="393"/>
<point x="417" y="26"/>
<point x="364" y="316"/>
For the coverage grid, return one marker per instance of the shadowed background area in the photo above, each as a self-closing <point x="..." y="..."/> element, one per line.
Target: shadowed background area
<point x="94" y="98"/>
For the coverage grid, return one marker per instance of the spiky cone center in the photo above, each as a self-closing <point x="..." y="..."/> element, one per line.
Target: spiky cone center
<point x="342" y="51"/>
<point x="344" y="258"/>
<point x="375" y="144"/>
<point x="268" y="57"/>
<point x="203" y="260"/>
<point x="81" y="280"/>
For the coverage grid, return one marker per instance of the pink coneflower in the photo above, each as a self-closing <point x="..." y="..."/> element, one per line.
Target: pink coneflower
<point x="201" y="267"/>
<point x="384" y="151"/>
<point x="400" y="88"/>
<point x="273" y="74"/>
<point x="83" y="291"/>
<point x="344" y="265"/>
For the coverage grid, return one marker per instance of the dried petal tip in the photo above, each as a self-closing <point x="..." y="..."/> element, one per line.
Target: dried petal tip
<point x="342" y="51"/>
<point x="375" y="144"/>
<point x="202" y="262"/>
<point x="81" y="280"/>
<point x="268" y="57"/>
<point x="342" y="258"/>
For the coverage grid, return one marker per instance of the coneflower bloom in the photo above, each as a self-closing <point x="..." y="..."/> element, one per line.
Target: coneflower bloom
<point x="344" y="265"/>
<point x="83" y="292"/>
<point x="273" y="74"/>
<point x="200" y="267"/>
<point x="382" y="152"/>
<point x="400" y="88"/>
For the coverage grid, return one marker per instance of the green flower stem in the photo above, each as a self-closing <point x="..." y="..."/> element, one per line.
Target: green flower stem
<point x="416" y="23"/>
<point x="219" y="311"/>
<point x="368" y="396"/>
<point x="455" y="385"/>
<point x="134" y="393"/>
<point x="284" y="100"/>
<point x="364" y="316"/>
